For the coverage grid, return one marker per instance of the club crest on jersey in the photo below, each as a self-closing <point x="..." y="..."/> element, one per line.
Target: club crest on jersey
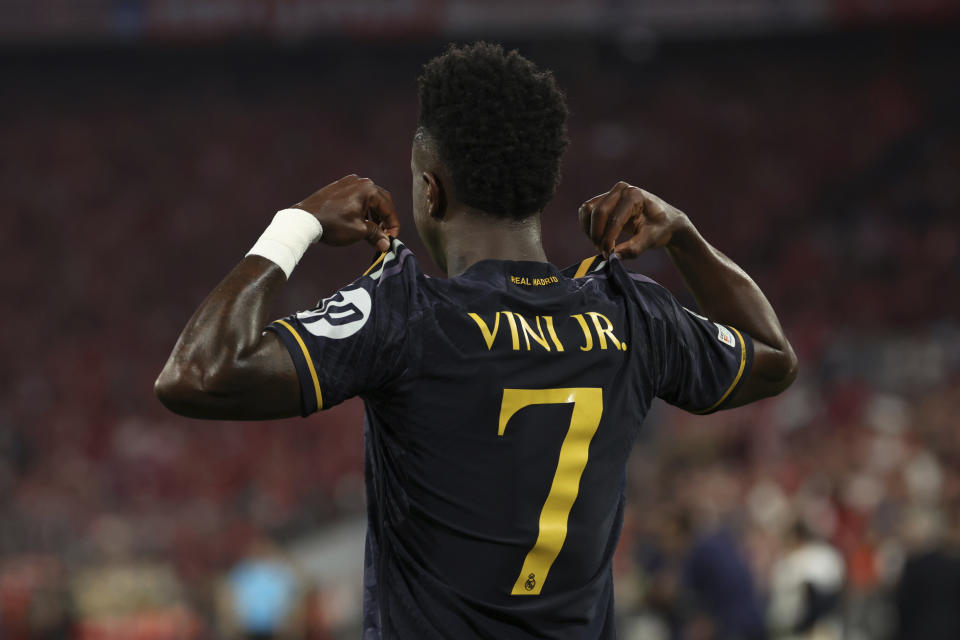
<point x="339" y="316"/>
<point x="725" y="336"/>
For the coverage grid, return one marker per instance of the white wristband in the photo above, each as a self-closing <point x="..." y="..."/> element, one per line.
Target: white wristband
<point x="287" y="237"/>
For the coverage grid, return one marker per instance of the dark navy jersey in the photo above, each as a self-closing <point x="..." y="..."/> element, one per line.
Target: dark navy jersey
<point x="501" y="406"/>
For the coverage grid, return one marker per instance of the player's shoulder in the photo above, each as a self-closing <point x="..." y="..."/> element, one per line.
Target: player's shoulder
<point x="398" y="260"/>
<point x="592" y="266"/>
<point x="390" y="278"/>
<point x="646" y="293"/>
<point x="600" y="268"/>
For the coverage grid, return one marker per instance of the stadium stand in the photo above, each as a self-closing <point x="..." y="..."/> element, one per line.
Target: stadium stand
<point x="138" y="181"/>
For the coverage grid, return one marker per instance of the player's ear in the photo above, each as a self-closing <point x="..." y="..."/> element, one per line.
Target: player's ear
<point x="435" y="194"/>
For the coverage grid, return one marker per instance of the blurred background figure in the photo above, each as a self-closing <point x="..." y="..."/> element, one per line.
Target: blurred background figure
<point x="35" y="599"/>
<point x="262" y="597"/>
<point x="928" y="592"/>
<point x="805" y="589"/>
<point x="816" y="141"/>
<point x="702" y="583"/>
<point x="123" y="594"/>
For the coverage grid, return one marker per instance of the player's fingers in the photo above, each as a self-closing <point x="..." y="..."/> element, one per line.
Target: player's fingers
<point x="640" y="241"/>
<point x="386" y="213"/>
<point x="586" y="211"/>
<point x="598" y="218"/>
<point x="375" y="236"/>
<point x="583" y="216"/>
<point x="592" y="202"/>
<point x="628" y="207"/>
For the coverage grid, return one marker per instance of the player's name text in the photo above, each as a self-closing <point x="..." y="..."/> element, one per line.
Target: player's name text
<point x="540" y="333"/>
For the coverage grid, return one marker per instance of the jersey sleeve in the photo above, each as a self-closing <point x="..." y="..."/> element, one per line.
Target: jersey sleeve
<point x="698" y="364"/>
<point x="353" y="341"/>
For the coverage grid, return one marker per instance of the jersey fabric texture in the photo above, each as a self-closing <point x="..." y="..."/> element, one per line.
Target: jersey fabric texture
<point x="501" y="406"/>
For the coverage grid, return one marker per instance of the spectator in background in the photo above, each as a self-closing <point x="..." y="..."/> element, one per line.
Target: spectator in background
<point x="34" y="599"/>
<point x="704" y="585"/>
<point x="928" y="594"/>
<point x="124" y="595"/>
<point x="261" y="597"/>
<point x="805" y="589"/>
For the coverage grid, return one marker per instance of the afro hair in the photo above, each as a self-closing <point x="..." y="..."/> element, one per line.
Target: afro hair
<point x="499" y="124"/>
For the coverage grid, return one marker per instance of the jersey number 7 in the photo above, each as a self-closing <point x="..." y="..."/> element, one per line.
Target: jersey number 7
<point x="587" y="409"/>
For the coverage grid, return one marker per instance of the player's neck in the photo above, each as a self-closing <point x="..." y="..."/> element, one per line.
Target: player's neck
<point x="477" y="238"/>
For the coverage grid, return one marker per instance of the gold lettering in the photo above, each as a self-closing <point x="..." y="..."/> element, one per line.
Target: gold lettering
<point x="534" y="282"/>
<point x="513" y="329"/>
<point x="603" y="332"/>
<point x="586" y="332"/>
<point x="528" y="333"/>
<point x="553" y="333"/>
<point x="488" y="335"/>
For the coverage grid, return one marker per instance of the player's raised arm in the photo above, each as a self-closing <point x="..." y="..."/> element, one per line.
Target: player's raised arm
<point x="224" y="365"/>
<point x="723" y="291"/>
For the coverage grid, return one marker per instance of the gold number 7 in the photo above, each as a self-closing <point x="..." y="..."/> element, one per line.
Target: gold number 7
<point x="587" y="409"/>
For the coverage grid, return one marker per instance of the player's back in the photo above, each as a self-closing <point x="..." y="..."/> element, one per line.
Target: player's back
<point x="501" y="408"/>
<point x="513" y="435"/>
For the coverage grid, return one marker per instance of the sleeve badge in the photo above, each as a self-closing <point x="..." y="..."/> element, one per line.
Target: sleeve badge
<point x="725" y="336"/>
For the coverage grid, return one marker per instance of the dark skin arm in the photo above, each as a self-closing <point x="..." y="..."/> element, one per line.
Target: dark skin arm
<point x="224" y="366"/>
<point x="723" y="291"/>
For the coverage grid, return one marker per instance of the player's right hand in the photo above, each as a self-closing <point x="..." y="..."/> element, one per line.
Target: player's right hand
<point x="353" y="209"/>
<point x="646" y="220"/>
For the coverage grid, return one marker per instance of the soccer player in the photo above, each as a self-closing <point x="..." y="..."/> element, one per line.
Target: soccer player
<point x="502" y="401"/>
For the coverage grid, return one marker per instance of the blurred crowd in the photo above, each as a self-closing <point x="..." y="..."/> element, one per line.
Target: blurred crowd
<point x="826" y="167"/>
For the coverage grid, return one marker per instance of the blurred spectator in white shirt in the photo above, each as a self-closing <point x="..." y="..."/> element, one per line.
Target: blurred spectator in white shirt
<point x="805" y="589"/>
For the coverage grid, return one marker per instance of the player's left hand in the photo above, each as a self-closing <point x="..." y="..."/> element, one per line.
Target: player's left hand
<point x="626" y="210"/>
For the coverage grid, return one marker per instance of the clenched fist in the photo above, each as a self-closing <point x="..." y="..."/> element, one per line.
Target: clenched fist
<point x="353" y="209"/>
<point x="626" y="210"/>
